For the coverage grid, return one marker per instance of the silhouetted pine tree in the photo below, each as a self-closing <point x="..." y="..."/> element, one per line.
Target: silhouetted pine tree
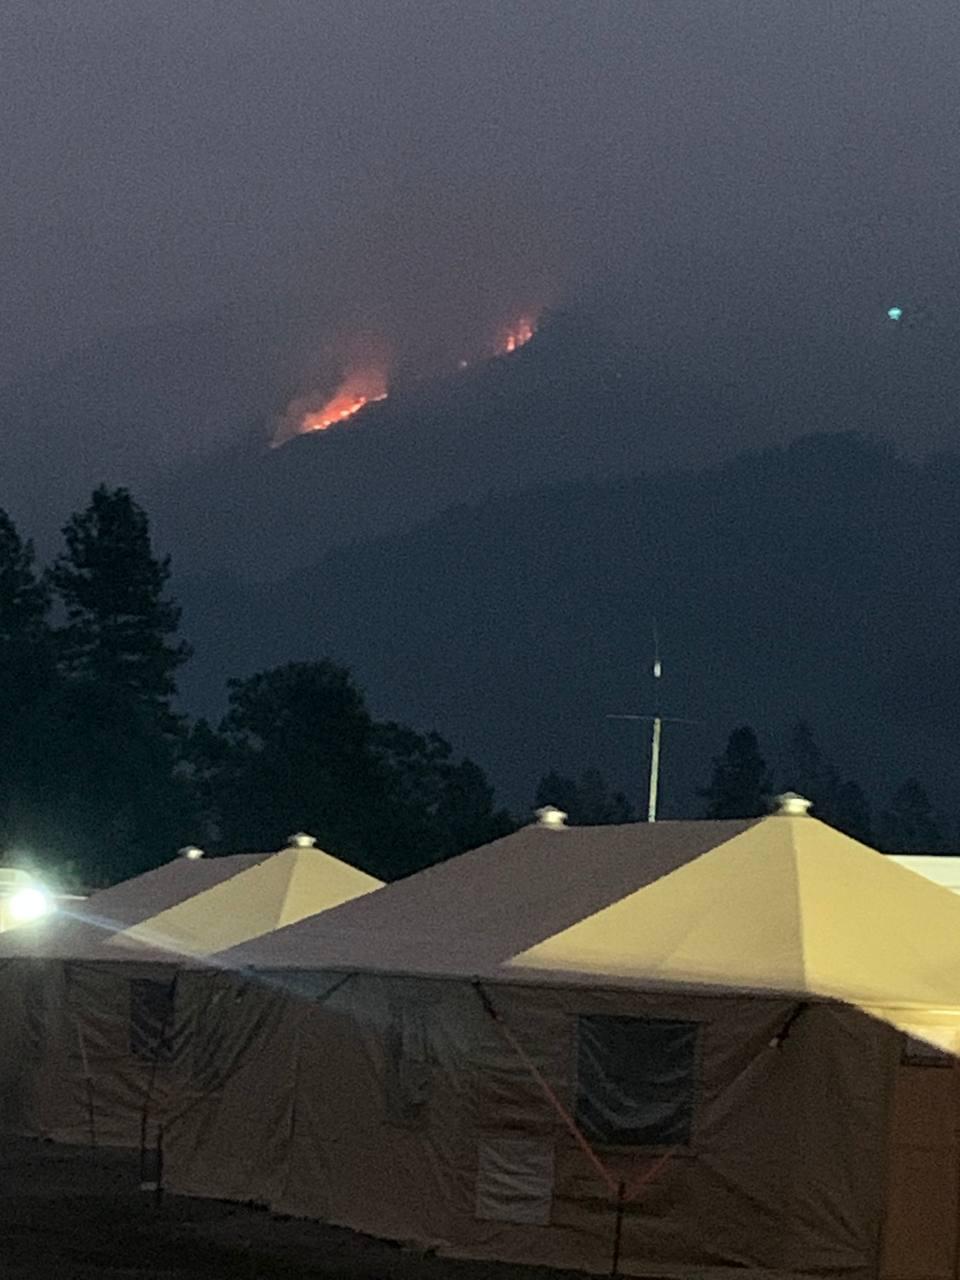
<point x="101" y="780"/>
<point x="808" y="771"/>
<point x="909" y="824"/>
<point x="120" y="628"/>
<point x="26" y="669"/>
<point x="298" y="749"/>
<point x="741" y="784"/>
<point x="588" y="801"/>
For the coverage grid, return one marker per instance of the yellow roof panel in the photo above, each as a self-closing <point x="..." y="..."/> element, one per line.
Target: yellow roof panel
<point x="787" y="905"/>
<point x="289" y="886"/>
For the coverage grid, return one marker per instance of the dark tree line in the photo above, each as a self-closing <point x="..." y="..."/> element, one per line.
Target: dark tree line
<point x="298" y="744"/>
<point x="100" y="775"/>
<point x="587" y="801"/>
<point x="742" y="786"/>
<point x="90" y="768"/>
<point x="101" y="778"/>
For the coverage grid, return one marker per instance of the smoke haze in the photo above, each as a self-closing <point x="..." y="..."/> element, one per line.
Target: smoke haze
<point x="411" y="165"/>
<point x="213" y="211"/>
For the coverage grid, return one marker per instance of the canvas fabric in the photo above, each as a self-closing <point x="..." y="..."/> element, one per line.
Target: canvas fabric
<point x="351" y="1072"/>
<point x="278" y="891"/>
<point x="472" y="913"/>
<point x="79" y="928"/>
<point x="921" y="1235"/>
<point x="98" y="1032"/>
<point x="395" y="1106"/>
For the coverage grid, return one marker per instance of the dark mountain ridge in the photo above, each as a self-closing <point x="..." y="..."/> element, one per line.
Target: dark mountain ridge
<point x="677" y="367"/>
<point x="816" y="579"/>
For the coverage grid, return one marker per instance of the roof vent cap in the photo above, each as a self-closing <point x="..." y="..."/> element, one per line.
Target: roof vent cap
<point x="790" y="805"/>
<point x="551" y="816"/>
<point x="191" y="852"/>
<point x="300" y="840"/>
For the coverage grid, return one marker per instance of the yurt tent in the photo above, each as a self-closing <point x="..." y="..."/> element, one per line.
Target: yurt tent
<point x="90" y="1022"/>
<point x="683" y="1049"/>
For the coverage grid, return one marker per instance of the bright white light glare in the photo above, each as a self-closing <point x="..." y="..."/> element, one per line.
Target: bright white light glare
<point x="895" y="313"/>
<point x="30" y="904"/>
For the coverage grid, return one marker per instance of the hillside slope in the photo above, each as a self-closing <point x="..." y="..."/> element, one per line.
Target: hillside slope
<point x="677" y="370"/>
<point x="815" y="580"/>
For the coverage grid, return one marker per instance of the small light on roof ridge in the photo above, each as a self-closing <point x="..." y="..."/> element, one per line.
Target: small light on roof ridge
<point x="551" y="816"/>
<point x="791" y="805"/>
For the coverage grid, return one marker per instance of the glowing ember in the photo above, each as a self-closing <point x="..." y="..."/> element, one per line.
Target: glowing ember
<point x="517" y="336"/>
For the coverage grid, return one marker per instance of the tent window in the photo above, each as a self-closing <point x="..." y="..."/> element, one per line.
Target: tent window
<point x="151" y="1019"/>
<point x="636" y="1080"/>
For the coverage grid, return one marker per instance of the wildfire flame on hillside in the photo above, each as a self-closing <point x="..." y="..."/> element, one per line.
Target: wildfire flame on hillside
<point x="360" y="387"/>
<point x="356" y="390"/>
<point x="517" y="335"/>
<point x="366" y="383"/>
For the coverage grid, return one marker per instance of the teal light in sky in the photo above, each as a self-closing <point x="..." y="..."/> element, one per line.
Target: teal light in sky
<point x="895" y="313"/>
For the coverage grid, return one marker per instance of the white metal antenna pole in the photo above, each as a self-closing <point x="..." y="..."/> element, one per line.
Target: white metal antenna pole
<point x="655" y="740"/>
<point x="654" y="771"/>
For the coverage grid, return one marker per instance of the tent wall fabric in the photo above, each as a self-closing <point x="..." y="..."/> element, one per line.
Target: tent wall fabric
<point x="94" y="1023"/>
<point x="395" y="1106"/>
<point x="792" y="957"/>
<point x="28" y="999"/>
<point x="83" y="1046"/>
<point x="678" y="1044"/>
<point x="922" y="1227"/>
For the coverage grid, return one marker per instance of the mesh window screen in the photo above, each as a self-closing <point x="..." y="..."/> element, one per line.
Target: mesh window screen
<point x="636" y="1080"/>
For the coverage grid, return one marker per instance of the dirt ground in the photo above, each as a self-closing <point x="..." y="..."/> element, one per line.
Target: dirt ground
<point x="73" y="1214"/>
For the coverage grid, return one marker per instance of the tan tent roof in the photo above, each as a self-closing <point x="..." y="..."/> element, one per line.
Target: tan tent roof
<point x="83" y="925"/>
<point x="474" y="912"/>
<point x="783" y="904"/>
<point x="941" y="868"/>
<point x="163" y="887"/>
<point x="193" y="907"/>
<point x="279" y="890"/>
<point x="788" y="905"/>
